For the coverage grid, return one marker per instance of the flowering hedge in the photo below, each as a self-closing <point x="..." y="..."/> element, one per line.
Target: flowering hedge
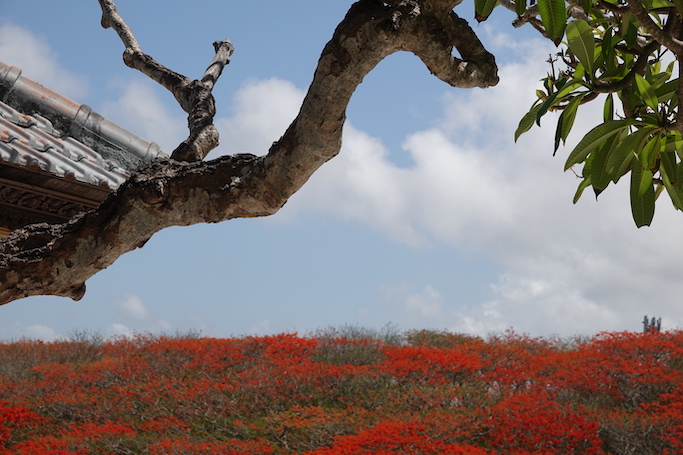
<point x="430" y="393"/>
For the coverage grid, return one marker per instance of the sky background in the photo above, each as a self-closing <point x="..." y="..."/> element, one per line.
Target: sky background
<point x="430" y="217"/>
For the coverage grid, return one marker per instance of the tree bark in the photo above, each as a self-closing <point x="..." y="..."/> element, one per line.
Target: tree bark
<point x="58" y="259"/>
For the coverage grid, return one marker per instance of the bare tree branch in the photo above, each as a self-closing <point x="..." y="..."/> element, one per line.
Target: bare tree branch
<point x="194" y="97"/>
<point x="112" y="19"/>
<point x="224" y="50"/>
<point x="58" y="259"/>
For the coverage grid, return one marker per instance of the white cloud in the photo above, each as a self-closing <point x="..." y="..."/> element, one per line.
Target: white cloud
<point x="121" y="330"/>
<point x="428" y="303"/>
<point x="263" y="111"/>
<point x="141" y="110"/>
<point x="566" y="268"/>
<point x="133" y="307"/>
<point x="411" y="308"/>
<point x="22" y="48"/>
<point x="40" y="332"/>
<point x="17" y="330"/>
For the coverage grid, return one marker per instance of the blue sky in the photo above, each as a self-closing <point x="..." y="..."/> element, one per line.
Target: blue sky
<point x="431" y="217"/>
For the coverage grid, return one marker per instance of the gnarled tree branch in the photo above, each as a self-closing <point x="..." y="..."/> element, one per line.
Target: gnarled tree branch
<point x="194" y="96"/>
<point x="58" y="259"/>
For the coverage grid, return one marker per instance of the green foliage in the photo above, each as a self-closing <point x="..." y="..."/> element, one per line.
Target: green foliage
<point x="483" y="9"/>
<point x="554" y="18"/>
<point x="609" y="55"/>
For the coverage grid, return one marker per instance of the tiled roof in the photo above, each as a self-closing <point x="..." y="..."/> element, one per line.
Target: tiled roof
<point x="41" y="129"/>
<point x="32" y="141"/>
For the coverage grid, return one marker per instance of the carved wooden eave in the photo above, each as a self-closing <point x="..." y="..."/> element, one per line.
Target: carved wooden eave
<point x="58" y="158"/>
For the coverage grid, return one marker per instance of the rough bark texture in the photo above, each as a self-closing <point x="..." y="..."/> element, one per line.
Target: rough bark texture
<point x="58" y="259"/>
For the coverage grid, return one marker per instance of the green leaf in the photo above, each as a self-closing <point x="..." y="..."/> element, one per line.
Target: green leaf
<point x="674" y="142"/>
<point x="520" y="7"/>
<point x="647" y="92"/>
<point x="600" y="173"/>
<point x="608" y="110"/>
<point x="650" y="152"/>
<point x="679" y="169"/>
<point x="558" y="133"/>
<point x="607" y="50"/>
<point x="582" y="43"/>
<point x="642" y="196"/>
<point x="620" y="158"/>
<point x="595" y="138"/>
<point x="656" y="4"/>
<point x="668" y="166"/>
<point x="483" y="8"/>
<point x="554" y="18"/>
<point x="658" y="80"/>
<point x="670" y="175"/>
<point x="587" y="167"/>
<point x="557" y="97"/>
<point x="585" y="183"/>
<point x="676" y="196"/>
<point x="566" y="121"/>
<point x="665" y="92"/>
<point x="631" y="31"/>
<point x="527" y="121"/>
<point x="587" y="4"/>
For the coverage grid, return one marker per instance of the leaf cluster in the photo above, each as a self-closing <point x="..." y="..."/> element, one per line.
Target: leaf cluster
<point x="625" y="55"/>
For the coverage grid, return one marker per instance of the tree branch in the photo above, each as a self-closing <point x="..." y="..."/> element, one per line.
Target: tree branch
<point x="224" y="50"/>
<point x="678" y="123"/>
<point x="477" y="68"/>
<point x="58" y="259"/>
<point x="637" y="68"/>
<point x="194" y="97"/>
<point x="674" y="44"/>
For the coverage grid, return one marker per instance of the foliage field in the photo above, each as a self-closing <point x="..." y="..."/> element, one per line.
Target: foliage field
<point x="343" y="393"/>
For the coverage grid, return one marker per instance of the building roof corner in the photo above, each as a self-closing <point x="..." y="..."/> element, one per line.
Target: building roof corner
<point x="57" y="157"/>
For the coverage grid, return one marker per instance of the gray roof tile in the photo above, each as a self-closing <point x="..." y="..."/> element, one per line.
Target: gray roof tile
<point x="43" y="130"/>
<point x="27" y="141"/>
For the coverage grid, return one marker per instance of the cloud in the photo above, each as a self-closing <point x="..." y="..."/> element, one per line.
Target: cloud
<point x="423" y="307"/>
<point x="22" y="48"/>
<point x="263" y="109"/>
<point x="135" y="317"/>
<point x="40" y="332"/>
<point x="427" y="303"/>
<point x="133" y="307"/>
<point x="17" y="331"/>
<point x="140" y="108"/>
<point x="121" y="330"/>
<point x="565" y="268"/>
